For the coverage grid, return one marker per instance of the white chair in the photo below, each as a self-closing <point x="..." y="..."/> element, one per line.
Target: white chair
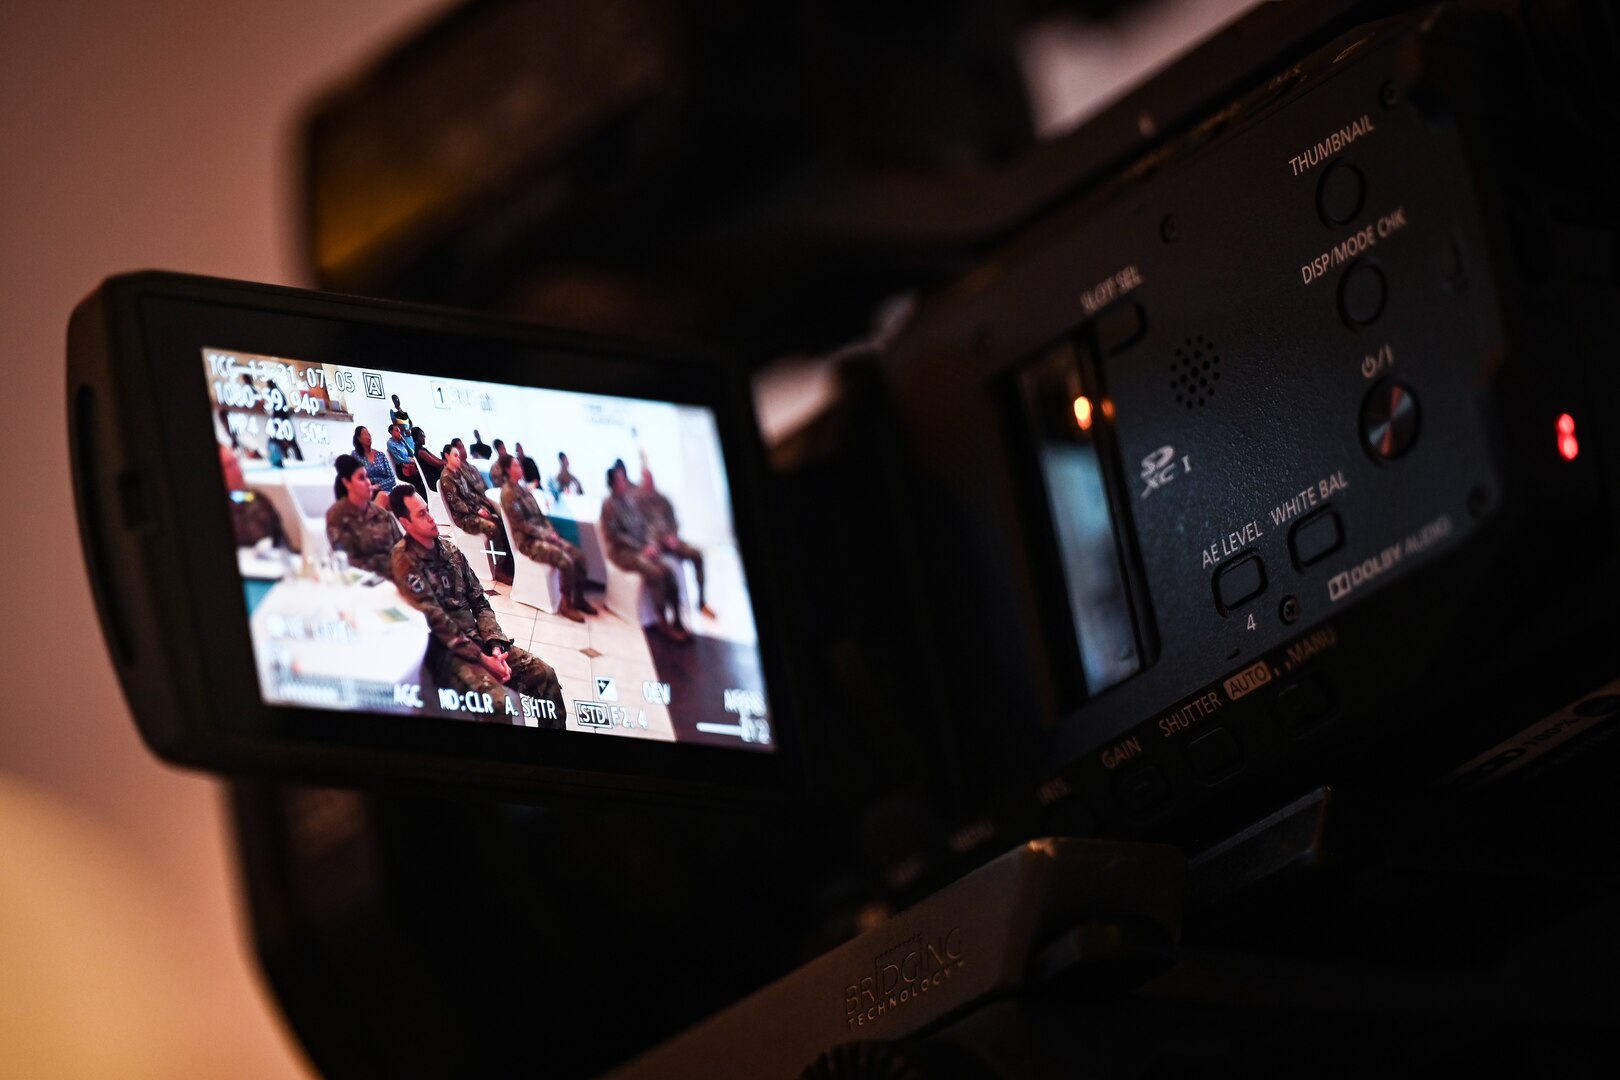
<point x="626" y="597"/>
<point x="472" y="545"/>
<point x="436" y="502"/>
<point x="627" y="592"/>
<point x="274" y="491"/>
<point x="312" y="503"/>
<point x="536" y="584"/>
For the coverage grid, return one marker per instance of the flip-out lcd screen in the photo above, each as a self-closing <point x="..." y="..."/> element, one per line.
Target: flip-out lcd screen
<point x="412" y="544"/>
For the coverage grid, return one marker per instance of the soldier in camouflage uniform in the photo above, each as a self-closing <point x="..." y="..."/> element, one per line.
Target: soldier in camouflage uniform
<point x="629" y="545"/>
<point x="472" y="511"/>
<point x="357" y="526"/>
<point x="665" y="531"/>
<point x="468" y="650"/>
<point x="252" y="516"/>
<point x="475" y="479"/>
<point x="533" y="534"/>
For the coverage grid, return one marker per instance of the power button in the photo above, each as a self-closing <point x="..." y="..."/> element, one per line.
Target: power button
<point x="1389" y="420"/>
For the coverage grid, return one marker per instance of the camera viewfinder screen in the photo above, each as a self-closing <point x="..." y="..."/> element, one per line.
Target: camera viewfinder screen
<point x="411" y="544"/>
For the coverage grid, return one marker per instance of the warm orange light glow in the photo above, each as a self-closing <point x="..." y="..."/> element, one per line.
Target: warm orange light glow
<point x="1108" y="408"/>
<point x="1568" y="447"/>
<point x="1082" y="412"/>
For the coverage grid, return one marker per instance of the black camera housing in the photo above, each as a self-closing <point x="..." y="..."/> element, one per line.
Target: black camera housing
<point x="1324" y="350"/>
<point x="1332" y="335"/>
<point x="936" y="674"/>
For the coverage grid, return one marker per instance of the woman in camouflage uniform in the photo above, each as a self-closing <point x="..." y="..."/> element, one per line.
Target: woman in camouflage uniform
<point x="472" y="511"/>
<point x="357" y="526"/>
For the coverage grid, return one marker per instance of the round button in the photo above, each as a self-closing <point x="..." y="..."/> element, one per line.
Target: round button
<point x="1389" y="420"/>
<point x="1340" y="194"/>
<point x="1361" y="293"/>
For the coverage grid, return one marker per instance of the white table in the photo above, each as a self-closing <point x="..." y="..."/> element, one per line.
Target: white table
<point x="264" y="564"/>
<point x="351" y="633"/>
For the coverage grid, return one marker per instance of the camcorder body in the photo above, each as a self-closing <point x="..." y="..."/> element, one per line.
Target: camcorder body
<point x="1261" y="476"/>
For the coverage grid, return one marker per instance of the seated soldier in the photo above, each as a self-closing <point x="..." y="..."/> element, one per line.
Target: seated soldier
<point x="475" y="476"/>
<point x="629" y="545"/>
<point x="534" y="536"/>
<point x="473" y="513"/>
<point x="467" y="650"/>
<point x="252" y="517"/>
<point x="665" y="531"/>
<point x="357" y="526"/>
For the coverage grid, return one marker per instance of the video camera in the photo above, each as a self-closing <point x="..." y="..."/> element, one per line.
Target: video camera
<point x="1268" y="446"/>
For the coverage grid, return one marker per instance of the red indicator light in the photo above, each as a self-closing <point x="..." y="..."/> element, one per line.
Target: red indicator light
<point x="1568" y="447"/>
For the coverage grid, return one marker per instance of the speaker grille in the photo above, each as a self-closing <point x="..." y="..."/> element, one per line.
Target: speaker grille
<point x="1195" y="371"/>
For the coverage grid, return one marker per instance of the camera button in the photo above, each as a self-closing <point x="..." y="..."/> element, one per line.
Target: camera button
<point x="1214" y="754"/>
<point x="1362" y="291"/>
<point x="1389" y="421"/>
<point x="1316" y="537"/>
<point x="1120" y="327"/>
<point x="1239" y="582"/>
<point x="1340" y="194"/>
<point x="1301" y="705"/>
<point x="1142" y="789"/>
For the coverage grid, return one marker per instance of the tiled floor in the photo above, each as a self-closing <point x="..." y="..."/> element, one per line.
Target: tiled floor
<point x="606" y="646"/>
<point x="605" y="662"/>
<point x="602" y="647"/>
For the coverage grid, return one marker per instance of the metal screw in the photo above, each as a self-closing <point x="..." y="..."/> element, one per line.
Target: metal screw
<point x="1289" y="610"/>
<point x="1389" y="95"/>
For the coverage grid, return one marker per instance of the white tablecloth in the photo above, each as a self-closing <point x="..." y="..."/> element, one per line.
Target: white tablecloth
<point x="362" y="632"/>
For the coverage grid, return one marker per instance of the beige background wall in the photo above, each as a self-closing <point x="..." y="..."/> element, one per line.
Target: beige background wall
<point x="132" y="135"/>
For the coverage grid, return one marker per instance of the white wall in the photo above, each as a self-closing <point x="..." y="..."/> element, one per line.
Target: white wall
<point x="680" y="443"/>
